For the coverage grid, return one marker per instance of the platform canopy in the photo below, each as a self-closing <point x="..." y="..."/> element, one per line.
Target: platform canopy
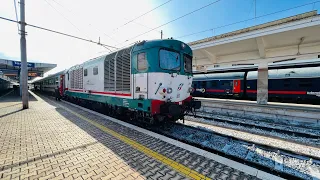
<point x="293" y="38"/>
<point x="11" y="68"/>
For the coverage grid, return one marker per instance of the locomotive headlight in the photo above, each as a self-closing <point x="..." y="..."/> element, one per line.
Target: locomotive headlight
<point x="190" y="90"/>
<point x="169" y="90"/>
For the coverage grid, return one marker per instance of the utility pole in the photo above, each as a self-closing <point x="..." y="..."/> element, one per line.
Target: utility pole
<point x="161" y="34"/>
<point x="24" y="66"/>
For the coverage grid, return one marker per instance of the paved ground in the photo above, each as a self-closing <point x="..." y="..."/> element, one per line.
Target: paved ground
<point x="58" y="141"/>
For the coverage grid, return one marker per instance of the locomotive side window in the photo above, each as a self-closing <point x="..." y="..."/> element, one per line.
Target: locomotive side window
<point x="142" y="62"/>
<point x="85" y="73"/>
<point x="95" y="70"/>
<point x="187" y="64"/>
<point x="169" y="60"/>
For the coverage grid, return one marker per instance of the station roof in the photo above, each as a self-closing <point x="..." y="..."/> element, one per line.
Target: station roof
<point x="292" y="38"/>
<point x="10" y="68"/>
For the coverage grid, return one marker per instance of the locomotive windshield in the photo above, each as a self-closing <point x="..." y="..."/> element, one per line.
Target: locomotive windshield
<point x="187" y="63"/>
<point x="169" y="60"/>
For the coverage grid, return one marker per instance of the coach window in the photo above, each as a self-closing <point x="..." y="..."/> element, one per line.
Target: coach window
<point x="95" y="70"/>
<point x="85" y="73"/>
<point x="214" y="84"/>
<point x="142" y="62"/>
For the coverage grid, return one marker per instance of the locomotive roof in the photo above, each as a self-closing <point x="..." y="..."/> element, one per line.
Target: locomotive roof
<point x="166" y="43"/>
<point x="273" y="74"/>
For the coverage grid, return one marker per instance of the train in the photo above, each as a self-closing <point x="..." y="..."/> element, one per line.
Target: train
<point x="297" y="85"/>
<point x="149" y="80"/>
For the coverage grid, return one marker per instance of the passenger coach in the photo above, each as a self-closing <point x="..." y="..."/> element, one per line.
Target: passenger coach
<point x="295" y="85"/>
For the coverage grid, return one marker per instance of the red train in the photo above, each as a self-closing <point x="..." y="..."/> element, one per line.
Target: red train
<point x="288" y="85"/>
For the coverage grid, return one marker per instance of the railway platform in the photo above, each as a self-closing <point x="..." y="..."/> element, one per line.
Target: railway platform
<point x="58" y="140"/>
<point x="286" y="113"/>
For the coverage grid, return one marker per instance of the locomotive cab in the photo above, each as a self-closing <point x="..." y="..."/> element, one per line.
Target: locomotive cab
<point x="163" y="74"/>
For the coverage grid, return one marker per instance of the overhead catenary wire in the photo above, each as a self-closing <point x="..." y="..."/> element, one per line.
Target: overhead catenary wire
<point x="109" y="36"/>
<point x="218" y="27"/>
<point x="76" y="37"/>
<point x="142" y="15"/>
<point x="173" y="20"/>
<point x="252" y="5"/>
<point x="88" y="24"/>
<point x="16" y="12"/>
<point x="70" y="21"/>
<point x="63" y="16"/>
<point x="61" y="33"/>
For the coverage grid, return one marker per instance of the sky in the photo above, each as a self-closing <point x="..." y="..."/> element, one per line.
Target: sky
<point x="108" y="20"/>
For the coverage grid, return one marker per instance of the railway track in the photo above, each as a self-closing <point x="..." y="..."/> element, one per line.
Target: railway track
<point x="284" y="163"/>
<point x="306" y="136"/>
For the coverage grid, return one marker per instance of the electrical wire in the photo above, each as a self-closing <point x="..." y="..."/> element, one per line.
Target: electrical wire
<point x="88" y="24"/>
<point x="97" y="29"/>
<point x="252" y="5"/>
<point x="172" y="20"/>
<point x="15" y="9"/>
<point x="61" y="33"/>
<point x="70" y="21"/>
<point x="141" y="15"/>
<point x="63" y="16"/>
<point x="218" y="27"/>
<point x="144" y="26"/>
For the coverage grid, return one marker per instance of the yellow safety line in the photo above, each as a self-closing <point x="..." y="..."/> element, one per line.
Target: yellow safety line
<point x="165" y="160"/>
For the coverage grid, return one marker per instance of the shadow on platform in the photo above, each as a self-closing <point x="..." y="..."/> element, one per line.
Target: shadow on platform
<point x="9" y="113"/>
<point x="133" y="159"/>
<point x="14" y="96"/>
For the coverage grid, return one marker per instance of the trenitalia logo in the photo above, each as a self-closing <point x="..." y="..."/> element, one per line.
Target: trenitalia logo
<point x="180" y="86"/>
<point x="314" y="93"/>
